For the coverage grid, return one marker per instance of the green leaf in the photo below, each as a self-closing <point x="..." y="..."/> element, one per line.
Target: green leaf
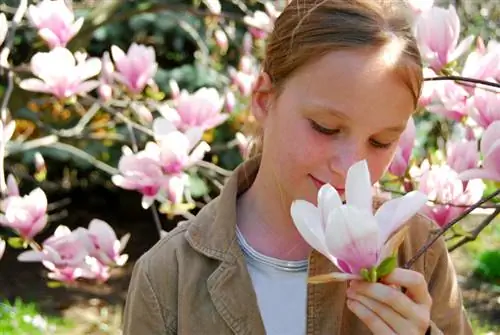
<point x="387" y="266"/>
<point x="16" y="242"/>
<point x="365" y="274"/>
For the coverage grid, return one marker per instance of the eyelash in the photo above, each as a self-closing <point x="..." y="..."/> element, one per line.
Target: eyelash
<point x="330" y="132"/>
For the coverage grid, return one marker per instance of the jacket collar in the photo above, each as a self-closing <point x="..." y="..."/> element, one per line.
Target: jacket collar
<point x="213" y="230"/>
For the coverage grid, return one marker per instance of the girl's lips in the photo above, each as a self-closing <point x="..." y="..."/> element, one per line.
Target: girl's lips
<point x="318" y="183"/>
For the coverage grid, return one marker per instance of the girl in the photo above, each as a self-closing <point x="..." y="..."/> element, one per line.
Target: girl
<point x="340" y="80"/>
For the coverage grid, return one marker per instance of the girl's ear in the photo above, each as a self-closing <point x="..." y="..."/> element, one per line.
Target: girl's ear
<point x="262" y="96"/>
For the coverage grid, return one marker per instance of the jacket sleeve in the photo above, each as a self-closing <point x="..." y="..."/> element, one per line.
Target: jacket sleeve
<point x="448" y="315"/>
<point x="143" y="313"/>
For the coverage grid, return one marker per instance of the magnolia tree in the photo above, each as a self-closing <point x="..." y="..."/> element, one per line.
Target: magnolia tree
<point x="167" y="140"/>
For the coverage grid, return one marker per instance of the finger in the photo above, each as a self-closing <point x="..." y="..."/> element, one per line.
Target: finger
<point x="391" y="318"/>
<point x="414" y="282"/>
<point x="419" y="315"/>
<point x="369" y="318"/>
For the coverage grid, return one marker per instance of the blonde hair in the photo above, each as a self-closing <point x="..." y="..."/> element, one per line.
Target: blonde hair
<point x="309" y="29"/>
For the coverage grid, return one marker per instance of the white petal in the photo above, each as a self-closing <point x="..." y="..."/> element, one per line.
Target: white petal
<point x="307" y="219"/>
<point x="358" y="186"/>
<point x="393" y="213"/>
<point x="328" y="199"/>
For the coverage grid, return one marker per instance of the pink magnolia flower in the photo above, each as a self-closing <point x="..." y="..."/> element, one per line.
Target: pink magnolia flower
<point x="442" y="186"/>
<point x="176" y="151"/>
<point x="140" y="172"/>
<point x="350" y="235"/>
<point x="437" y="31"/>
<point x="451" y="101"/>
<point x="485" y="107"/>
<point x="462" y="155"/>
<point x="106" y="78"/>
<point x="107" y="247"/>
<point x="136" y="68"/>
<point x="55" y="22"/>
<point x="490" y="149"/>
<point x="60" y="75"/>
<point x="482" y="63"/>
<point x="64" y="254"/>
<point x="201" y="109"/>
<point x="399" y="164"/>
<point x="429" y="93"/>
<point x="26" y="215"/>
<point x="4" y="27"/>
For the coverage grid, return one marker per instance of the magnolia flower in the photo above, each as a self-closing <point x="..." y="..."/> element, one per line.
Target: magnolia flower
<point x="490" y="149"/>
<point x="174" y="150"/>
<point x="462" y="155"/>
<point x="350" y="235"/>
<point x="399" y="164"/>
<point x="443" y="186"/>
<point x="136" y="68"/>
<point x="55" y="22"/>
<point x="450" y="100"/>
<point x="107" y="247"/>
<point x="4" y="27"/>
<point x="420" y="6"/>
<point x="437" y="31"/>
<point x="26" y="215"/>
<point x="64" y="254"/>
<point x="142" y="173"/>
<point x="106" y="78"/>
<point x="60" y="75"/>
<point x="201" y="109"/>
<point x="6" y="131"/>
<point x="482" y="63"/>
<point x="485" y="107"/>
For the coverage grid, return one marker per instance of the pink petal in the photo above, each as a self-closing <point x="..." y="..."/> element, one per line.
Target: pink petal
<point x="328" y="198"/>
<point x="490" y="136"/>
<point x="35" y="85"/>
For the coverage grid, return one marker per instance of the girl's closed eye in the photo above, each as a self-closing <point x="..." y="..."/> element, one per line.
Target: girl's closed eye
<point x="323" y="130"/>
<point x="380" y="145"/>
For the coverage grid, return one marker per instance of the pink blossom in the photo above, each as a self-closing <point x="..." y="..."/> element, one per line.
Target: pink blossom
<point x="437" y="31"/>
<point x="350" y="234"/>
<point x="442" y="186"/>
<point x="142" y="173"/>
<point x="26" y="215"/>
<point x="399" y="164"/>
<point x="107" y="247"/>
<point x="136" y="68"/>
<point x="55" y="22"/>
<point x="420" y="6"/>
<point x="490" y="150"/>
<point x="485" y="107"/>
<point x="462" y="155"/>
<point x="59" y="74"/>
<point x="482" y="63"/>
<point x="201" y="109"/>
<point x="450" y="101"/>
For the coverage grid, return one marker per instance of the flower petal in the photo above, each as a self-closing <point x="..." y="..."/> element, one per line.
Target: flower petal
<point x="307" y="219"/>
<point x="358" y="186"/>
<point x="328" y="199"/>
<point x="393" y="213"/>
<point x="352" y="235"/>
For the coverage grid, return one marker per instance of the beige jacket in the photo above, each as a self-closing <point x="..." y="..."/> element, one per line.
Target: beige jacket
<point x="195" y="280"/>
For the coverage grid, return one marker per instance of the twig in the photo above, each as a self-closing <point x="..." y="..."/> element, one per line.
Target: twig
<point x="156" y="219"/>
<point x="466" y="79"/>
<point x="474" y="233"/>
<point x="430" y="242"/>
<point x="213" y="167"/>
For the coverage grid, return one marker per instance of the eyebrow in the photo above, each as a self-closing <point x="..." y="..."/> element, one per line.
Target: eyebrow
<point x="317" y="107"/>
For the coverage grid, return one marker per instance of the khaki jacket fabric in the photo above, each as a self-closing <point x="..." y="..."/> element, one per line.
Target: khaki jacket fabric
<point x="195" y="279"/>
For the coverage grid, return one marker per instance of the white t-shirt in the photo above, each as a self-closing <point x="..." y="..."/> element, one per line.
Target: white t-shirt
<point x="281" y="289"/>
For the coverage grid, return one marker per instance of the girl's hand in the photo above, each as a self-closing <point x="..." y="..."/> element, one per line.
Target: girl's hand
<point x="385" y="309"/>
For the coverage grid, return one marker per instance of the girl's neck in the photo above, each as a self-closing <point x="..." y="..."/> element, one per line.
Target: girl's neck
<point x="263" y="217"/>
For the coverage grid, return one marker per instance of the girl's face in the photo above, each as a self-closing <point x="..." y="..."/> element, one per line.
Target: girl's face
<point x="347" y="106"/>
